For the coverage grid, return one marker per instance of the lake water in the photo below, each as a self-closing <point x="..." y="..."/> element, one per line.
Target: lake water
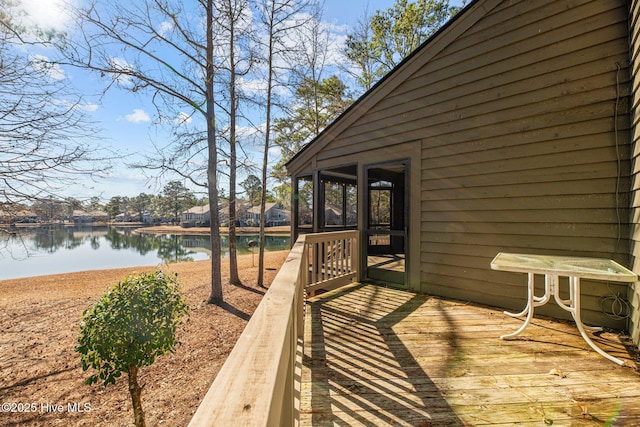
<point x="67" y="249"/>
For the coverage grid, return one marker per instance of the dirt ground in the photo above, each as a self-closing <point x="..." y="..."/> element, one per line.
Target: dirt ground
<point x="41" y="379"/>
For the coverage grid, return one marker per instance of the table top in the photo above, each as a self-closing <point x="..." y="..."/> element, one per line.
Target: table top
<point x="587" y="268"/>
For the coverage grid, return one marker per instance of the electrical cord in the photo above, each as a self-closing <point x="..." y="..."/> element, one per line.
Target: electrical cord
<point x="615" y="306"/>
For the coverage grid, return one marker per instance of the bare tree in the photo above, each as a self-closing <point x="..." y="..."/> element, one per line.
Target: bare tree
<point x="233" y="20"/>
<point x="311" y="57"/>
<point x="316" y="100"/>
<point x="279" y="18"/>
<point x="166" y="51"/>
<point x="45" y="132"/>
<point x="363" y="59"/>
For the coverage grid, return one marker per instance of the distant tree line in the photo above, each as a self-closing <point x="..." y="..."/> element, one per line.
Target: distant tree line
<point x="174" y="199"/>
<point x="167" y="206"/>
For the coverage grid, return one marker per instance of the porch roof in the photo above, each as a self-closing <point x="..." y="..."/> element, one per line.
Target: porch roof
<point x="382" y="356"/>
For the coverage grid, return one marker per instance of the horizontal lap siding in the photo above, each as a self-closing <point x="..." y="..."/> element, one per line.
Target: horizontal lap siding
<point x="634" y="292"/>
<point x="518" y="147"/>
<point x="485" y="76"/>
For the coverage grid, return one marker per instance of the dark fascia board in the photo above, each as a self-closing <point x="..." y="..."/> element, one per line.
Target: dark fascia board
<point x="463" y="20"/>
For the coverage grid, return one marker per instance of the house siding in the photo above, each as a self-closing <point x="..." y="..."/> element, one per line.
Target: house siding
<point x="522" y="153"/>
<point x="634" y="290"/>
<point x="520" y="115"/>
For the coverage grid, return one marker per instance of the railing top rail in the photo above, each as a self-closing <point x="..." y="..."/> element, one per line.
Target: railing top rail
<point x="243" y="391"/>
<point x="330" y="235"/>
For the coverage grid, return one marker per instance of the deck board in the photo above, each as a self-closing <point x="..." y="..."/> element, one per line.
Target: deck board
<point x="377" y="356"/>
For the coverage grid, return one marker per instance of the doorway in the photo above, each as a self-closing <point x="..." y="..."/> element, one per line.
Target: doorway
<point x="386" y="219"/>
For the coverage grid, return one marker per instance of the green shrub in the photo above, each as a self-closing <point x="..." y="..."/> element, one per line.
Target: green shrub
<point x="129" y="327"/>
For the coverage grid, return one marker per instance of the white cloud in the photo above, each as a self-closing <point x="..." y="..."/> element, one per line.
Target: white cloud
<point x="121" y="65"/>
<point x="250" y="132"/>
<point x="183" y="118"/>
<point x="275" y="153"/>
<point x="258" y="86"/>
<point x="308" y="38"/>
<point x="336" y="41"/>
<point x="46" y="14"/>
<point x="166" y="27"/>
<point x="89" y="107"/>
<point x="138" y="116"/>
<point x="82" y="106"/>
<point x="41" y="63"/>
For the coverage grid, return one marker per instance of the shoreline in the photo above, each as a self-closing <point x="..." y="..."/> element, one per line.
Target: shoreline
<point x="49" y="277"/>
<point x="176" y="229"/>
<point x="155" y="229"/>
<point x="69" y="264"/>
<point x="91" y="276"/>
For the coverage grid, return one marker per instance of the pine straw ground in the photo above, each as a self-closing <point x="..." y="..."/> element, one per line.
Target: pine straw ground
<point x="40" y="371"/>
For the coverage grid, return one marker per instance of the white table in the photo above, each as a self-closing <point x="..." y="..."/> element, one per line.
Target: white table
<point x="554" y="267"/>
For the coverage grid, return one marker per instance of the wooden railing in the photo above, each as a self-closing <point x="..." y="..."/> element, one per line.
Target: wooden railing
<point x="333" y="259"/>
<point x="259" y="383"/>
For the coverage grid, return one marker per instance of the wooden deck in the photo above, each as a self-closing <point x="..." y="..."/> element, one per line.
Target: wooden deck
<point x="395" y="262"/>
<point x="377" y="356"/>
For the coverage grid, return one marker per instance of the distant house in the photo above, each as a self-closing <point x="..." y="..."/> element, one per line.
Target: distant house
<point x="122" y="217"/>
<point x="79" y="216"/>
<point x="241" y="212"/>
<point x="274" y="215"/>
<point x="26" y="217"/>
<point x="135" y="217"/>
<point x="332" y="215"/>
<point x="196" y="216"/>
<point x="147" y="217"/>
<point x="82" y="217"/>
<point x="22" y="217"/>
<point x="99" y="216"/>
<point x="223" y="214"/>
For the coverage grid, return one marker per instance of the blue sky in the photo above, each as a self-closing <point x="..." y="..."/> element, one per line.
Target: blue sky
<point x="126" y="119"/>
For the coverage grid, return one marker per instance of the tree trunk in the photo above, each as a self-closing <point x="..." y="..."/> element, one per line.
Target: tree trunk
<point x="234" y="277"/>
<point x="212" y="169"/>
<point x="265" y="158"/>
<point x="135" y="390"/>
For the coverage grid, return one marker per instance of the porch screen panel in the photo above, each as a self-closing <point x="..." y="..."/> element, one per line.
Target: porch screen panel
<point x="338" y="198"/>
<point x="351" y="208"/>
<point x="334" y="204"/>
<point x="303" y="199"/>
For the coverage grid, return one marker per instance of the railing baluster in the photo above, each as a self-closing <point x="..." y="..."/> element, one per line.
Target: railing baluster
<point x="314" y="262"/>
<point x="332" y="264"/>
<point x="342" y="255"/>
<point x="348" y="248"/>
<point x="325" y="253"/>
<point x="336" y="263"/>
<point x="327" y="260"/>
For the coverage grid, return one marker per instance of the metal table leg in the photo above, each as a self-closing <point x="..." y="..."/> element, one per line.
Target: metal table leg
<point x="574" y="285"/>
<point x="532" y="300"/>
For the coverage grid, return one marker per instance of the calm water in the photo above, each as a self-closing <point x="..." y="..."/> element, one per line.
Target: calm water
<point x="67" y="249"/>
